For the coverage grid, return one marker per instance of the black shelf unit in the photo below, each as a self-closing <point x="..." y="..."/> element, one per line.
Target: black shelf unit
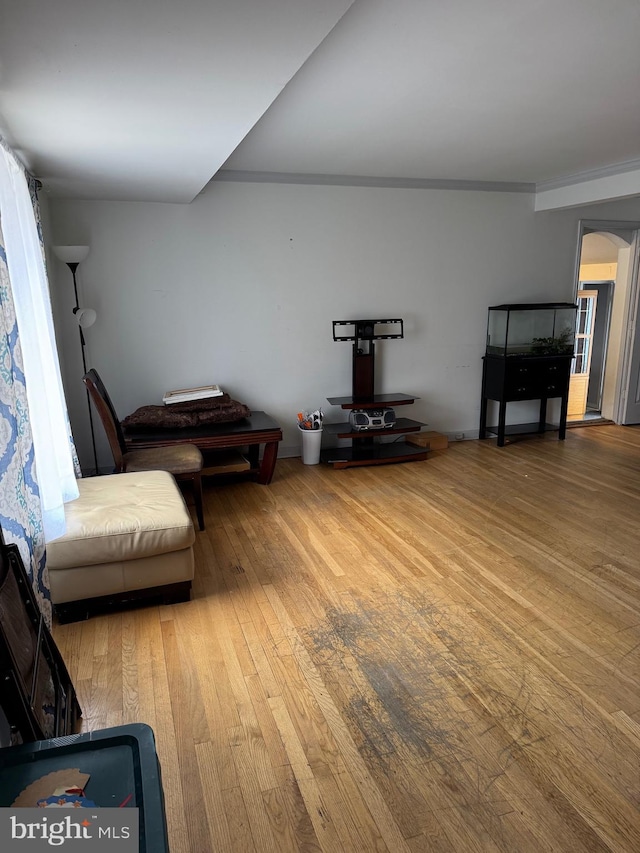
<point x="373" y="453"/>
<point x="345" y="430"/>
<point x="367" y="446"/>
<point x="522" y="429"/>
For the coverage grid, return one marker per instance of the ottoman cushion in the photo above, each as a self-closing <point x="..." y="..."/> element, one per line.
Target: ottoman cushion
<point x="120" y="517"/>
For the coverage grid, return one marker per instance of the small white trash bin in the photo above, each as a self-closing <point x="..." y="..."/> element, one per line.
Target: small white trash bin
<point x="311" y="442"/>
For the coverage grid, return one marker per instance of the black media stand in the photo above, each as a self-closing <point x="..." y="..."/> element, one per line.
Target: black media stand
<point x="366" y="447"/>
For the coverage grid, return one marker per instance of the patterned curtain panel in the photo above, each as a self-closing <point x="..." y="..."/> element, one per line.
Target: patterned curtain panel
<point x="34" y="186"/>
<point x="20" y="516"/>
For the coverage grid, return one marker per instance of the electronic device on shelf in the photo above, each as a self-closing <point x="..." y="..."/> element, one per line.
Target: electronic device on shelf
<point x="366" y="419"/>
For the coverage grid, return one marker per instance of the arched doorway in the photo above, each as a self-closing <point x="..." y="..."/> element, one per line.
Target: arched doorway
<point x="606" y="293"/>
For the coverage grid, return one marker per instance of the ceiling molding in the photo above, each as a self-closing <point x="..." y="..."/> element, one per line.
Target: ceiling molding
<point x="233" y="175"/>
<point x="612" y="186"/>
<point x="589" y="175"/>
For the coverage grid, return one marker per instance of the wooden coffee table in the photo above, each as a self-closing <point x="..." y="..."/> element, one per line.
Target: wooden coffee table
<point x="259" y="428"/>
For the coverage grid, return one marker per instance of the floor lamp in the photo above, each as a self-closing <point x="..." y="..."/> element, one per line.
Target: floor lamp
<point x="72" y="256"/>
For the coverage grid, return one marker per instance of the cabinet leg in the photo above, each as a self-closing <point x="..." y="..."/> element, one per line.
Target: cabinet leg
<point x="482" y="432"/>
<point x="543" y="414"/>
<point x="562" y="431"/>
<point x="502" y="416"/>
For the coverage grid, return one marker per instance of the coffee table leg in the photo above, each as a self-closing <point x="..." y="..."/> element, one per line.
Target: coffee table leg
<point x="253" y="454"/>
<point x="268" y="463"/>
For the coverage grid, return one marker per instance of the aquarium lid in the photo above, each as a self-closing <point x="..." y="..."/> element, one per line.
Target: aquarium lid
<point x="531" y="306"/>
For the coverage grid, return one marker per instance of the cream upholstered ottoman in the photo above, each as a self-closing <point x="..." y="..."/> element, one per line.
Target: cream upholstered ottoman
<point x="129" y="538"/>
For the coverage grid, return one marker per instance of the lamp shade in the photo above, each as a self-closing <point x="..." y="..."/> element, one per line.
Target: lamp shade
<point x="86" y="317"/>
<point x="71" y="254"/>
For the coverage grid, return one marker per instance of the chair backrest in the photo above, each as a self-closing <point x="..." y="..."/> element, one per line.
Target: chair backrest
<point x="108" y="416"/>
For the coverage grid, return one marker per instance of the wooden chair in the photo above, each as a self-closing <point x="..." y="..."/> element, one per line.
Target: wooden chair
<point x="184" y="461"/>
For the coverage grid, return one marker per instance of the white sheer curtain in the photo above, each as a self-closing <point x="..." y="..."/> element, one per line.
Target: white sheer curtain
<point x="45" y="395"/>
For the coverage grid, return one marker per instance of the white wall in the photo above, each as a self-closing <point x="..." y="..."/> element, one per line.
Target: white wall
<point x="240" y="288"/>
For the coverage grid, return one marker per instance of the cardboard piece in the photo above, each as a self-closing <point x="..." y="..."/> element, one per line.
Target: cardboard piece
<point x="428" y="439"/>
<point x="46" y="785"/>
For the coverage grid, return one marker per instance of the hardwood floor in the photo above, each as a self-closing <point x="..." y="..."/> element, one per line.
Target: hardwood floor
<point x="441" y="655"/>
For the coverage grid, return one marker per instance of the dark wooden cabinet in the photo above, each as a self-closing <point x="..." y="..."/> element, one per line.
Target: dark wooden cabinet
<point x="37" y="697"/>
<point x="508" y="379"/>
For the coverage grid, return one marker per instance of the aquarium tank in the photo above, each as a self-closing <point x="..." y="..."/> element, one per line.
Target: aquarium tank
<point x="535" y="329"/>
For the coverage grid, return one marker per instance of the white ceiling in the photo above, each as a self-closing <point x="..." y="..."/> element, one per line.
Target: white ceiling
<point x="147" y="100"/>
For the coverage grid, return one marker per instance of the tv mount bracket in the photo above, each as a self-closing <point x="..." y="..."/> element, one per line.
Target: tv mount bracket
<point x="367" y="330"/>
<point x="363" y="333"/>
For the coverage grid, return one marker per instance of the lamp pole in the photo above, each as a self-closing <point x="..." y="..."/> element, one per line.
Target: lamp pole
<point x="73" y="266"/>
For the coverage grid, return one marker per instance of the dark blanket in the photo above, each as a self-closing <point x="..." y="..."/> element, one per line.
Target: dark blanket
<point x="182" y="415"/>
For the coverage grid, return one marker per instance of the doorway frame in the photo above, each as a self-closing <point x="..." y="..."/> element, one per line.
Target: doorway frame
<point x="608" y="308"/>
<point x="632" y="303"/>
<point x="631" y="330"/>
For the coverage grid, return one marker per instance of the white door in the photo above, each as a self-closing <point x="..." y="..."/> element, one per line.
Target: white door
<point x="581" y="365"/>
